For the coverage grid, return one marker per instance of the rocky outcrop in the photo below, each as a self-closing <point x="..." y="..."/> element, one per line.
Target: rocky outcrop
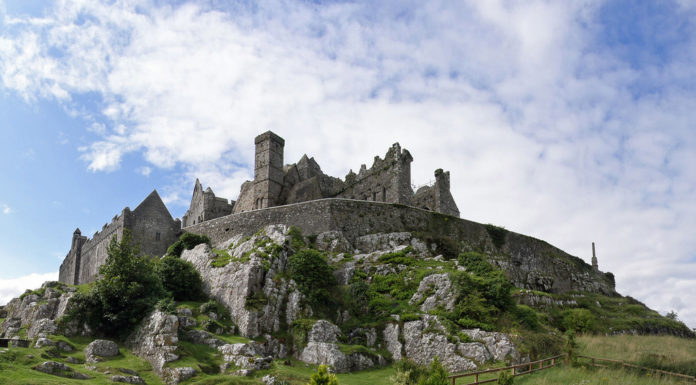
<point x="322" y="349"/>
<point x="155" y="340"/>
<point x="97" y="350"/>
<point x="60" y="369"/>
<point x="426" y="339"/>
<point x="128" y="379"/>
<point x="244" y="356"/>
<point x="253" y="272"/>
<point x="391" y="340"/>
<point x="433" y="291"/>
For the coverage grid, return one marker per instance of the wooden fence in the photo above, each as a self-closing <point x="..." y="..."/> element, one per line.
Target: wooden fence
<point x="517" y="370"/>
<point x="594" y="361"/>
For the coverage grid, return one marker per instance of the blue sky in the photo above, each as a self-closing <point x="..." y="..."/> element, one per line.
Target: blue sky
<point x="568" y="121"/>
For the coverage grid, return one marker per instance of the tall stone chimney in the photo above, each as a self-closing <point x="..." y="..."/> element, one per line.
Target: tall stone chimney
<point x="594" y="258"/>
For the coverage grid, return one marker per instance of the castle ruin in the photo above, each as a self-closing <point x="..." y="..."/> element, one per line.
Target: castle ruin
<point x="151" y="227"/>
<point x="388" y="180"/>
<point x="275" y="184"/>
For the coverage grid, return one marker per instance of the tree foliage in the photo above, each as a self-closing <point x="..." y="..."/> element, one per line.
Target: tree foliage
<point x="187" y="241"/>
<point x="323" y="377"/>
<point x="127" y="291"/>
<point x="180" y="278"/>
<point x="313" y="275"/>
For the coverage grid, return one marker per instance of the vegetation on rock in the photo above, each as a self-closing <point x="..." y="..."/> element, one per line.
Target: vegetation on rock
<point x="187" y="241"/>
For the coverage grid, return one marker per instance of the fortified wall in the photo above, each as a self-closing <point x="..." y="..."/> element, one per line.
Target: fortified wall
<point x="387" y="180"/>
<point x="152" y="228"/>
<point x="530" y="263"/>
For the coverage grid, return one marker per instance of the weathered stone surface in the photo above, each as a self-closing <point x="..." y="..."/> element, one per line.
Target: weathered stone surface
<point x="245" y="356"/>
<point x="155" y="340"/>
<point x="391" y="339"/>
<point x="186" y="322"/>
<point x="475" y="351"/>
<point x="203" y="338"/>
<point x="128" y="379"/>
<point x="98" y="349"/>
<point x="42" y="342"/>
<point x="333" y="241"/>
<point x="434" y="290"/>
<point x="60" y="369"/>
<point x="42" y="326"/>
<point x="425" y="339"/>
<point x="382" y="241"/>
<point x="74" y="360"/>
<point x="233" y="284"/>
<point x="323" y="331"/>
<point x="176" y="375"/>
<point x="498" y="344"/>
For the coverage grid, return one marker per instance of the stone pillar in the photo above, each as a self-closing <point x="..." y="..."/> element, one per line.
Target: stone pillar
<point x="76" y="248"/>
<point x="594" y="258"/>
<point x="268" y="169"/>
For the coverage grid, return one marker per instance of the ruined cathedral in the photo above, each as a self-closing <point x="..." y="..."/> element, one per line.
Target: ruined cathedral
<point x="275" y="183"/>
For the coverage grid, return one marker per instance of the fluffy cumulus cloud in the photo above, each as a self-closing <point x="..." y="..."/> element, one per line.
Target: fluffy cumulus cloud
<point x="12" y="288"/>
<point x="568" y="121"/>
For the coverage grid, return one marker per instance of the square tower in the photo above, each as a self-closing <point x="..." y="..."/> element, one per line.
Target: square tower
<point x="268" y="169"/>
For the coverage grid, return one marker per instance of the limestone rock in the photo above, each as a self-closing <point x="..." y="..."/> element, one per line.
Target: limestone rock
<point x="44" y="325"/>
<point x="425" y="340"/>
<point x="475" y="351"/>
<point x="434" y="290"/>
<point x="128" y="379"/>
<point x="177" y="375"/>
<point x="245" y="356"/>
<point x="333" y="241"/>
<point x="42" y="342"/>
<point x="203" y="338"/>
<point x="60" y="369"/>
<point x="391" y="338"/>
<point x="64" y="346"/>
<point x="323" y="331"/>
<point x="96" y="350"/>
<point x="155" y="340"/>
<point x="498" y="344"/>
<point x="382" y="241"/>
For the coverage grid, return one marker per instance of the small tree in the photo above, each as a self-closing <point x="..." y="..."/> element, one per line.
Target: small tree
<point x="672" y="315"/>
<point x="437" y="375"/>
<point x="313" y="275"/>
<point x="180" y="278"/>
<point x="323" y="377"/>
<point x="126" y="292"/>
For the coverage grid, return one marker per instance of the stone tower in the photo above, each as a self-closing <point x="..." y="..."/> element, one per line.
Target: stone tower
<point x="594" y="258"/>
<point x="268" y="170"/>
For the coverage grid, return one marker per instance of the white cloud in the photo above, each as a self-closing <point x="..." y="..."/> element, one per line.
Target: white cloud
<point x="13" y="287"/>
<point x="6" y="209"/>
<point x="545" y="130"/>
<point x="144" y="171"/>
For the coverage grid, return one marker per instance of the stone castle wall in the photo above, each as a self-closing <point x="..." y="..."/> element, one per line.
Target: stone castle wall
<point x="530" y="263"/>
<point x="152" y="227"/>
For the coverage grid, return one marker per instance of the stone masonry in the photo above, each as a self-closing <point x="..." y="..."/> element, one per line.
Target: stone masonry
<point x="387" y="180"/>
<point x="151" y="226"/>
<point x="205" y="206"/>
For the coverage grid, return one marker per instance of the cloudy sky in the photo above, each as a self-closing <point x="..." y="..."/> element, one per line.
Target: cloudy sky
<point x="568" y="121"/>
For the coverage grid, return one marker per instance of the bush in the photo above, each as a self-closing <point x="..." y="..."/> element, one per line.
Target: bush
<point x="166" y="305"/>
<point x="180" y="278"/>
<point x="579" y="320"/>
<point x="323" y="377"/>
<point x="527" y="317"/>
<point x="313" y="275"/>
<point x="505" y="378"/>
<point x="410" y="373"/>
<point x="187" y="241"/>
<point x="127" y="291"/>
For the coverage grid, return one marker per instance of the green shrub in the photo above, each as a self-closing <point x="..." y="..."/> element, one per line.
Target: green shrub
<point x="166" y="305"/>
<point x="127" y="291"/>
<point x="180" y="278"/>
<point x="187" y="241"/>
<point x="527" y="317"/>
<point x="323" y="377"/>
<point x="297" y="241"/>
<point x="410" y="373"/>
<point x="579" y="320"/>
<point x="313" y="275"/>
<point x="505" y="378"/>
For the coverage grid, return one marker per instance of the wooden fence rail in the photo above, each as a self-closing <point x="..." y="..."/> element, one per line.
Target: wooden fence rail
<point x="517" y="370"/>
<point x="594" y="362"/>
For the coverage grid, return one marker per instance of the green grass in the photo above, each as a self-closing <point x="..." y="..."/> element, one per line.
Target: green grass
<point x="586" y="376"/>
<point x="16" y="365"/>
<point x="668" y="353"/>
